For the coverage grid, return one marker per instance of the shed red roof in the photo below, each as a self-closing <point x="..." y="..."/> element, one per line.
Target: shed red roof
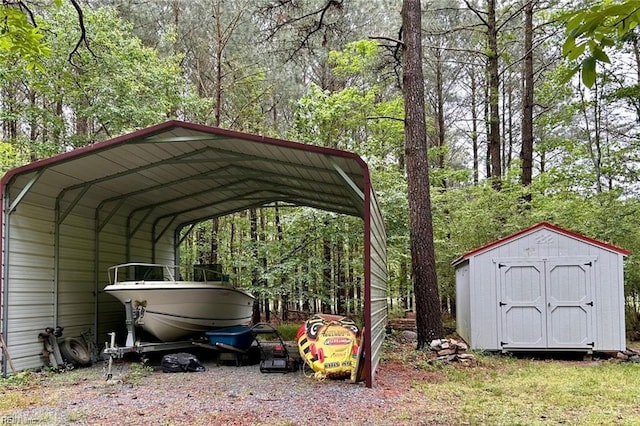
<point x="536" y="227"/>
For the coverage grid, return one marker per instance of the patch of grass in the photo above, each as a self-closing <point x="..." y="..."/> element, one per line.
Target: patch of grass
<point x="66" y="378"/>
<point x="502" y="390"/>
<point x="136" y="372"/>
<point x="288" y="331"/>
<point x="12" y="391"/>
<point x="76" y="416"/>
<point x="12" y="400"/>
<point x="21" y="379"/>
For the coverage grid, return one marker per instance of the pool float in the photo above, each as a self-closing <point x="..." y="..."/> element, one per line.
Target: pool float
<point x="329" y="345"/>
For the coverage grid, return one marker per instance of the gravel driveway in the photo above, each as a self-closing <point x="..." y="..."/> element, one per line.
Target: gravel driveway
<point x="222" y="395"/>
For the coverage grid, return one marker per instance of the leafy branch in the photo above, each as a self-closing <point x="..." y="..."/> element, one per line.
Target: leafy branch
<point x="597" y="28"/>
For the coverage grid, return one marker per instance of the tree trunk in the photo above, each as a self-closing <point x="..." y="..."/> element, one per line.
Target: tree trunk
<point x="494" y="90"/>
<point x="526" y="153"/>
<point x="213" y="248"/>
<point x="263" y="260"/>
<point x="220" y="42"/>
<point x="325" y="291"/>
<point x="253" y="231"/>
<point x="285" y="292"/>
<point x="487" y="126"/>
<point x="306" y="306"/>
<point x="428" y="315"/>
<point x="403" y="285"/>
<point x="341" y="285"/>
<point x="474" y="125"/>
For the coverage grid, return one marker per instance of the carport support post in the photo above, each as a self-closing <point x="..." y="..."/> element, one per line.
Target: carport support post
<point x="4" y="281"/>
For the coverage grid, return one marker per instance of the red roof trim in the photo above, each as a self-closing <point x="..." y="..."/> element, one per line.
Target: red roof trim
<point x="541" y="225"/>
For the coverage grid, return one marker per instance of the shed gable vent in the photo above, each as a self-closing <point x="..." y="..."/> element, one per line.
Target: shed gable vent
<point x="544" y="238"/>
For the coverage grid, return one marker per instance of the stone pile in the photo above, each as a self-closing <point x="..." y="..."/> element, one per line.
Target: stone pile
<point x="451" y="350"/>
<point x="630" y="355"/>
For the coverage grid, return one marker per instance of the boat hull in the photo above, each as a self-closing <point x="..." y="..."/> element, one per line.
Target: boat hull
<point x="174" y="310"/>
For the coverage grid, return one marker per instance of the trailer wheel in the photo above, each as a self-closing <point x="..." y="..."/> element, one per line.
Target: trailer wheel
<point x="74" y="350"/>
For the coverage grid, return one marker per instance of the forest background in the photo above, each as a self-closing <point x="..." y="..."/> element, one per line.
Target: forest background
<point x="514" y="135"/>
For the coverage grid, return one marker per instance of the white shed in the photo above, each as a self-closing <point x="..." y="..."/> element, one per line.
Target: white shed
<point x="542" y="289"/>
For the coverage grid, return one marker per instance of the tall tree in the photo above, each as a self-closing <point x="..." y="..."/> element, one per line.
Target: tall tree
<point x="526" y="152"/>
<point x="494" y="90"/>
<point x="425" y="280"/>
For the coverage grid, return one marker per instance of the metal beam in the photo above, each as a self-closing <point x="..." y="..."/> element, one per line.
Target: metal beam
<point x="24" y="191"/>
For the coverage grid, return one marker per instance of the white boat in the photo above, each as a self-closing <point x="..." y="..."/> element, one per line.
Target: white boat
<point x="171" y="308"/>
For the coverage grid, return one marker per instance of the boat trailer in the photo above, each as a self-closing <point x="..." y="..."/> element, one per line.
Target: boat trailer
<point x="222" y="341"/>
<point x="112" y="350"/>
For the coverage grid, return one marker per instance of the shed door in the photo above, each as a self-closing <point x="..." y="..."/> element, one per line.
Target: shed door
<point x="569" y="304"/>
<point x="522" y="305"/>
<point x="546" y="304"/>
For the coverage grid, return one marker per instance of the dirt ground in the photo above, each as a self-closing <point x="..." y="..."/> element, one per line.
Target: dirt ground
<point x="224" y="394"/>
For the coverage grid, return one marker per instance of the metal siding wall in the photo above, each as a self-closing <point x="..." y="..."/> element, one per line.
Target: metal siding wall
<point x="76" y="275"/>
<point x="619" y="285"/>
<point x="140" y="249"/>
<point x="30" y="283"/>
<point x="379" y="292"/>
<point x="484" y="302"/>
<point x="609" y="303"/>
<point x="164" y="250"/>
<point x="463" y="302"/>
<point x="111" y="251"/>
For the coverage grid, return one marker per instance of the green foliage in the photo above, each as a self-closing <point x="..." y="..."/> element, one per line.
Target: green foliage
<point x="9" y="157"/>
<point x="18" y="380"/>
<point x="288" y="332"/>
<point x="20" y="38"/>
<point x="590" y="31"/>
<point x="357" y="59"/>
<point x="118" y="85"/>
<point x="470" y="217"/>
<point x="136" y="372"/>
<point x="334" y="119"/>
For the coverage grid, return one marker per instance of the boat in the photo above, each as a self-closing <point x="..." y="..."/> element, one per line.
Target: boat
<point x="171" y="308"/>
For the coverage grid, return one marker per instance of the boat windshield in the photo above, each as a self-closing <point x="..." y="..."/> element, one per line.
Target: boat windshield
<point x="143" y="272"/>
<point x="159" y="272"/>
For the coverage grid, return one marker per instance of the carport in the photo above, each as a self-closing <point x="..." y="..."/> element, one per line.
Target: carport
<point x="68" y="218"/>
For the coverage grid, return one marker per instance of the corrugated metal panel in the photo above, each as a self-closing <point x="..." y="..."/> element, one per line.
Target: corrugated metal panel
<point x="377" y="299"/>
<point x="30" y="268"/>
<point x="463" y="302"/>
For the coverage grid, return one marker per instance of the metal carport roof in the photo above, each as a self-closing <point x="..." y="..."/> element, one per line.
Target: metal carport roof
<point x="177" y="173"/>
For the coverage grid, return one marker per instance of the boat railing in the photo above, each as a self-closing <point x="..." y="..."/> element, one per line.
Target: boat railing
<point x="137" y="271"/>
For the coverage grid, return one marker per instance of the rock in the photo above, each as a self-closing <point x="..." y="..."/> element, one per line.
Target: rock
<point x="466" y="356"/>
<point x="435" y="344"/>
<point x="409" y="336"/>
<point x="622" y="356"/>
<point x="446" y="352"/>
